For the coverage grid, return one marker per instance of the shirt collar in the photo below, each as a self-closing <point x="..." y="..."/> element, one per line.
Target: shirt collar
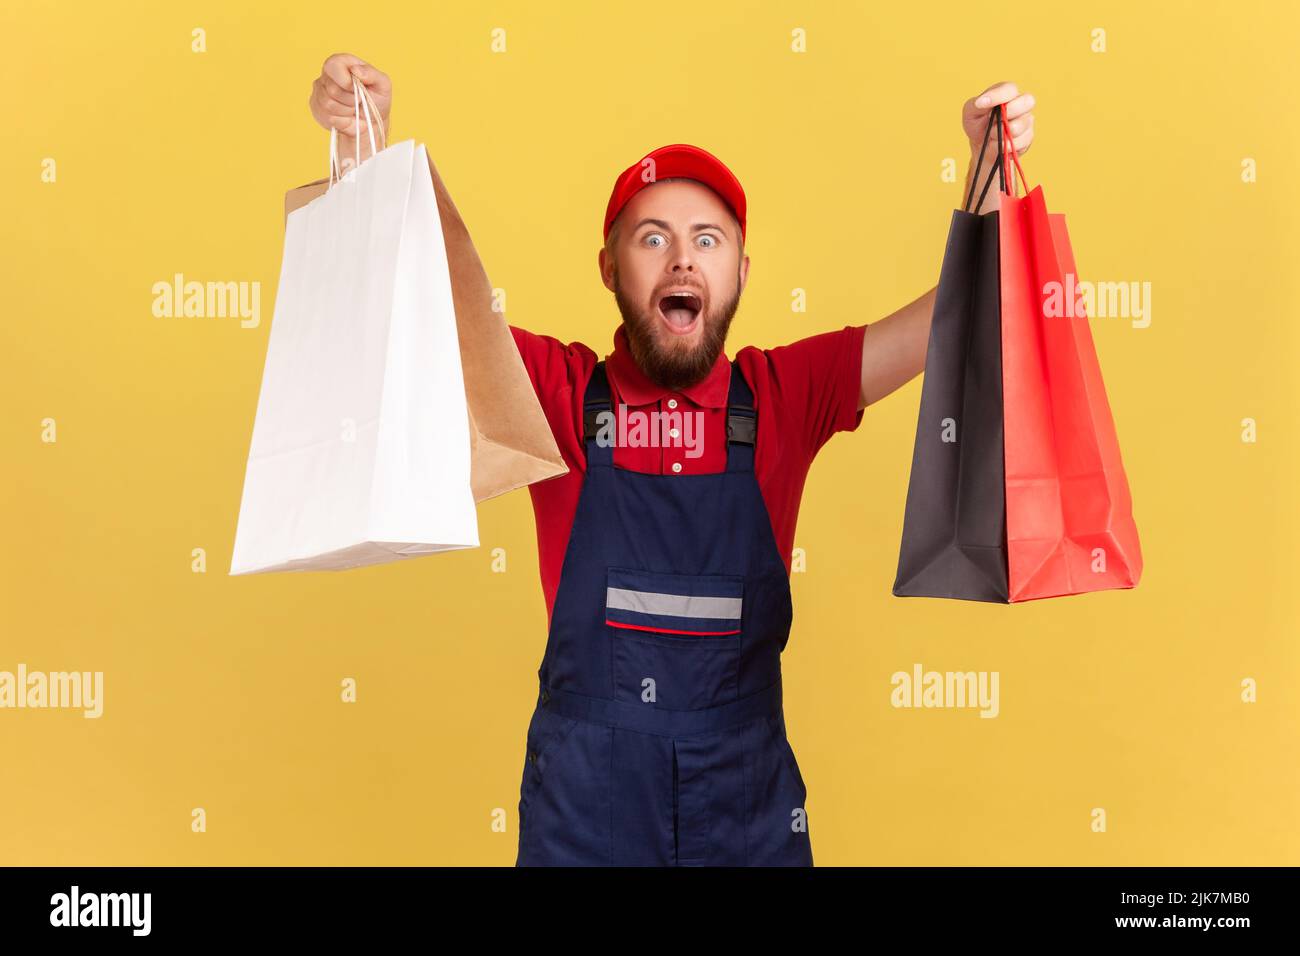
<point x="635" y="388"/>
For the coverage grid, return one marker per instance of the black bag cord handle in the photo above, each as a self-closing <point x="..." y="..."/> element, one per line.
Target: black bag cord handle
<point x="995" y="113"/>
<point x="1002" y="167"/>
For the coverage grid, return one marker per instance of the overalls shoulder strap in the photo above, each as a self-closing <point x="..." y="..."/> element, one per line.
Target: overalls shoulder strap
<point x="742" y="423"/>
<point x="597" y="400"/>
<point x="742" y="420"/>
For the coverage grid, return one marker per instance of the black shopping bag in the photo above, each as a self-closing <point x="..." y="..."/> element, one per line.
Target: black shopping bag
<point x="954" y="525"/>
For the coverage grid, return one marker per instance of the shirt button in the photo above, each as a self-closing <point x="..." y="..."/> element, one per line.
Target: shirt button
<point x="677" y="466"/>
<point x="673" y="433"/>
<point x="672" y="403"/>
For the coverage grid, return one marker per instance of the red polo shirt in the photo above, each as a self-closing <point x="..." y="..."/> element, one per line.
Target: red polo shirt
<point x="804" y="393"/>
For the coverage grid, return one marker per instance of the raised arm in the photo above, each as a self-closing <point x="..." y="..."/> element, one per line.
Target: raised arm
<point x="893" y="349"/>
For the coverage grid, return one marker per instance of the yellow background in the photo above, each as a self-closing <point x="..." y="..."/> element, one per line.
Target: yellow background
<point x="223" y="693"/>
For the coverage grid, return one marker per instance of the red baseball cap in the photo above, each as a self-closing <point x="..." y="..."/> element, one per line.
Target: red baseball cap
<point x="666" y="162"/>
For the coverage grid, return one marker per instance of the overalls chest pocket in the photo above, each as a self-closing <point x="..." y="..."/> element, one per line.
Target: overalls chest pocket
<point x="676" y="638"/>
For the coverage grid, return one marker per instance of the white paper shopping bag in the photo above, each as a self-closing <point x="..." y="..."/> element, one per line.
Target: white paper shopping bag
<point x="360" y="451"/>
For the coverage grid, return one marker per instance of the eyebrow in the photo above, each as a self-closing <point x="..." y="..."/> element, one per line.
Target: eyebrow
<point x="699" y="226"/>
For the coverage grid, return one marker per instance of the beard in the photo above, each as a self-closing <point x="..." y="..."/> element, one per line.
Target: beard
<point x="674" y="368"/>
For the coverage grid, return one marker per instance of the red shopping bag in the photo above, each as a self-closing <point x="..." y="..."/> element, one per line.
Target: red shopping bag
<point x="1070" y="525"/>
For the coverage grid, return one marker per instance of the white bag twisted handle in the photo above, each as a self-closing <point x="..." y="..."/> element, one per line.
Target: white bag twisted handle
<point x="360" y="98"/>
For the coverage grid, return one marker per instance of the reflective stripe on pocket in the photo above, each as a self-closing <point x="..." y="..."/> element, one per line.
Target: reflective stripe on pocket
<point x="691" y="604"/>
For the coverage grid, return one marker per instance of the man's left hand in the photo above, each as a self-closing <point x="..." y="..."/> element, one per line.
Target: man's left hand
<point x="1018" y="108"/>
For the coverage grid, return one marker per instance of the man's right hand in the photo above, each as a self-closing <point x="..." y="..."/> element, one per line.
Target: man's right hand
<point x="332" y="102"/>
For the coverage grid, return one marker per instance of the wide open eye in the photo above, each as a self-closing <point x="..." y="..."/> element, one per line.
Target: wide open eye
<point x="655" y="235"/>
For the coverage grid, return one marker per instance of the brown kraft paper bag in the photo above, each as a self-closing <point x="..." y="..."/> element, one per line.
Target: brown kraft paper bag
<point x="510" y="441"/>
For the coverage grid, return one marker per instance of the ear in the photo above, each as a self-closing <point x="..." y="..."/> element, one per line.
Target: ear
<point x="744" y="272"/>
<point x="606" y="264"/>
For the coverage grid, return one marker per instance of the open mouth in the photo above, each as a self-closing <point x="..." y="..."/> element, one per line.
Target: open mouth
<point x="680" y="311"/>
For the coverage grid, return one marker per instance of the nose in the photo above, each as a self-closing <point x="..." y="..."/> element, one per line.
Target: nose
<point x="683" y="261"/>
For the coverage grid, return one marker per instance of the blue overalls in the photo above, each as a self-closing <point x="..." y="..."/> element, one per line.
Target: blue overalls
<point x="658" y="738"/>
